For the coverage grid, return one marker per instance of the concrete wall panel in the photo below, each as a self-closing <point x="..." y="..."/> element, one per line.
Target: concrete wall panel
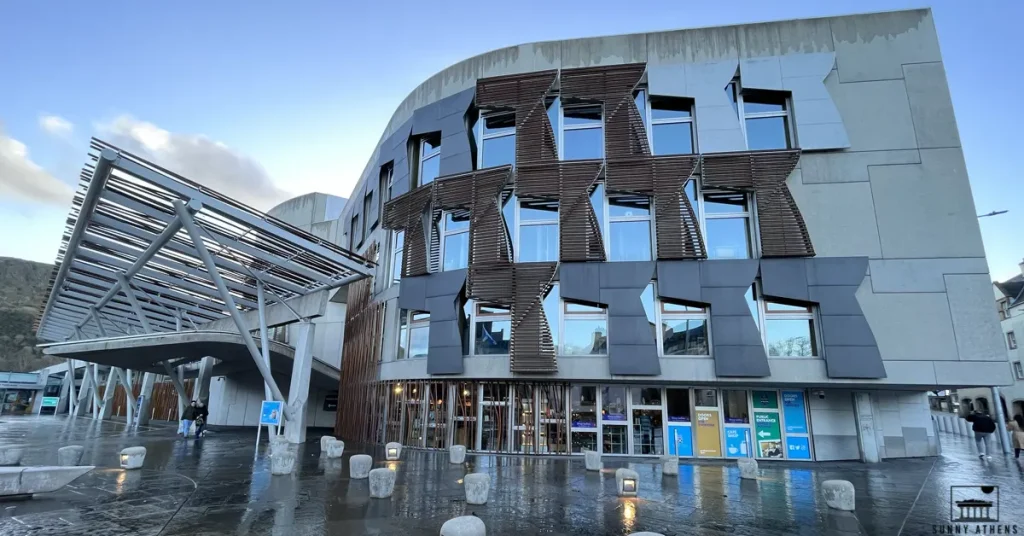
<point x="975" y="324"/>
<point x="850" y="166"/>
<point x="911" y="326"/>
<point x="876" y="114"/>
<point x="931" y="105"/>
<point x="875" y="46"/>
<point x="920" y="275"/>
<point x="838" y="210"/>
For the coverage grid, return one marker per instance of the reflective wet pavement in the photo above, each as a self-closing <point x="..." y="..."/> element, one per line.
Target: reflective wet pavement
<point x="213" y="486"/>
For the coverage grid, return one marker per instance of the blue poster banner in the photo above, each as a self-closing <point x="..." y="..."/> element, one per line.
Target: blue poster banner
<point x="736" y="442"/>
<point x="270" y="412"/>
<point x="793" y="409"/>
<point x="680" y="440"/>
<point x="798" y="448"/>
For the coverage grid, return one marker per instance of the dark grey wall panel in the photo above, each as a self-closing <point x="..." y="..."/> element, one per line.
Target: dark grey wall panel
<point x="355" y="235"/>
<point x="439" y="294"/>
<point x="679" y="280"/>
<point x="849" y="347"/>
<point x="580" y="281"/>
<point x="396" y="149"/>
<point x="372" y="187"/>
<point x="448" y="116"/>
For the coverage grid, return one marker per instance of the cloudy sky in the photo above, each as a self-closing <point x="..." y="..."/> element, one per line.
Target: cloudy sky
<point x="266" y="100"/>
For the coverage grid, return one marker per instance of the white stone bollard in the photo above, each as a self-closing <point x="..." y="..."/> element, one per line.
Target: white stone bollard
<point x="464" y="526"/>
<point x="963" y="425"/>
<point x="593" y="460"/>
<point x="282" y="456"/>
<point x="839" y="494"/>
<point x="11" y="455"/>
<point x="456" y="454"/>
<point x="627" y="481"/>
<point x="392" y="451"/>
<point x="359" y="466"/>
<point x="670" y="466"/>
<point x="949" y="423"/>
<point x="70" y="455"/>
<point x="335" y="448"/>
<point x="477" y="485"/>
<point x="133" y="457"/>
<point x="323" y="443"/>
<point x="382" y="483"/>
<point x="748" y="468"/>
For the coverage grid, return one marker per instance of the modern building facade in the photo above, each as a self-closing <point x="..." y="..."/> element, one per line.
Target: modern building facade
<point x="752" y="240"/>
<point x="1009" y="299"/>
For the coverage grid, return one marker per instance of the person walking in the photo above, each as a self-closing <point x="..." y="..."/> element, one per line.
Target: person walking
<point x="1016" y="428"/>
<point x="201" y="415"/>
<point x="188" y="417"/>
<point x="983" y="427"/>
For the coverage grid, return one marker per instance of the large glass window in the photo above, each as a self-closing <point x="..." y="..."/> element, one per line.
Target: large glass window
<point x="387" y="173"/>
<point x="585" y="329"/>
<point x="764" y="116"/>
<point x="671" y="125"/>
<point x="493" y="330"/>
<point x="726" y="218"/>
<point x="497" y="134"/>
<point x="614" y="431"/>
<point x="454" y="241"/>
<point x="787" y="329"/>
<point x="397" y="253"/>
<point x="413" y="334"/>
<point x="678" y="404"/>
<point x="684" y="329"/>
<point x="429" y="158"/>
<point x="537" y="231"/>
<point x="353" y="232"/>
<point x="583" y="401"/>
<point x="629" y="228"/>
<point x="736" y="410"/>
<point x="582" y="132"/>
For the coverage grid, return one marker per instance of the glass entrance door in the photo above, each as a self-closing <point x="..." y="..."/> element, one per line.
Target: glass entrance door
<point x="494" y="425"/>
<point x="647" y="418"/>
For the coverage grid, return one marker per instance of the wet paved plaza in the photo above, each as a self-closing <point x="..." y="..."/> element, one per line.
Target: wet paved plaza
<point x="213" y="486"/>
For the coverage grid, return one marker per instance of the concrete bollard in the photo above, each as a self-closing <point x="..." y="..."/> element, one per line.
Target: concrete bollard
<point x="359" y="466"/>
<point x="478" y="486"/>
<point x="942" y="424"/>
<point x="323" y="443"/>
<point x="70" y="455"/>
<point x="382" y="483"/>
<point x="627" y="482"/>
<point x="282" y="456"/>
<point x="839" y="494"/>
<point x="962" y="425"/>
<point x="335" y="448"/>
<point x="670" y="466"/>
<point x="464" y="526"/>
<point x="133" y="457"/>
<point x="11" y="455"/>
<point x="593" y="460"/>
<point x="456" y="454"/>
<point x="748" y="468"/>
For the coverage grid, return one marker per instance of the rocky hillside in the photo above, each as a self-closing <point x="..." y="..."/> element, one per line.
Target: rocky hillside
<point x="22" y="284"/>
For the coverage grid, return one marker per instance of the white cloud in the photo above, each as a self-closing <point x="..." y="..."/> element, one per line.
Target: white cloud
<point x="56" y="125"/>
<point x="197" y="158"/>
<point x="21" y="178"/>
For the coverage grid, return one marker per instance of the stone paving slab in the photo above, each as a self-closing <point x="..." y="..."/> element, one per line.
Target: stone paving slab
<point x="214" y="486"/>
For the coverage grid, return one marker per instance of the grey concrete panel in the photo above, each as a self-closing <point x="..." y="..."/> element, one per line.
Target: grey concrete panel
<point x="642" y="360"/>
<point x="850" y="330"/>
<point x="784" y="278"/>
<point x="850" y="166"/>
<point x="895" y="447"/>
<point x="412" y="293"/>
<point x="623" y="302"/>
<point x="631" y="331"/>
<point x="580" y="281"/>
<point x="679" y="280"/>
<point x="626" y="275"/>
<point x="728" y="273"/>
<point x="740" y="361"/>
<point x="875" y="46"/>
<point x="734" y="331"/>
<point x="979" y="336"/>
<point x="611" y="50"/>
<point x="876" y="114"/>
<point x="837" y="210"/>
<point x="426" y="119"/>
<point x="761" y="73"/>
<point x="916" y="440"/>
<point x="836" y="270"/>
<point x="719" y="127"/>
<point x="447" y="283"/>
<point x="831" y="448"/>
<point x="457" y="104"/>
<point x="836" y="300"/>
<point x="446" y="360"/>
<point x="854" y="362"/>
<point x="920" y="275"/>
<point x="931" y="105"/>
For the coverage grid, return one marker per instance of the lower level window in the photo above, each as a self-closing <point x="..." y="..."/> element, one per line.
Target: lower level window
<point x="413" y="334"/>
<point x="493" y="330"/>
<point x="787" y="329"/>
<point x="585" y="329"/>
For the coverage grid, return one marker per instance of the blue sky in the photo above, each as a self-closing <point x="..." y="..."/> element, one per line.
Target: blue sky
<point x="297" y="94"/>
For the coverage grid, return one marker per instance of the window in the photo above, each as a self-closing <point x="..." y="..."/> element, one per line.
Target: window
<point x="726" y="220"/>
<point x="628" y="232"/>
<point x="492" y="329"/>
<point x="497" y="135"/>
<point x="397" y="254"/>
<point x="581" y="132"/>
<point x="1011" y="340"/>
<point x="735" y="403"/>
<point x="1018" y="370"/>
<point x="429" y="158"/>
<point x="387" y="173"/>
<point x="678" y="405"/>
<point x="583" y="400"/>
<point x="367" y="206"/>
<point x="536" y="227"/>
<point x="614" y="438"/>
<point x="353" y="231"/>
<point x="454" y="241"/>
<point x="764" y="116"/>
<point x="671" y="125"/>
<point x="787" y="330"/>
<point x="684" y="329"/>
<point x="584" y="329"/>
<point x="413" y="334"/>
<point x="1004" y="312"/>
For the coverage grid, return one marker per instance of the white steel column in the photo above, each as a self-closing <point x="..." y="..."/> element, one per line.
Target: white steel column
<point x="146" y="398"/>
<point x="1000" y="418"/>
<point x="298" y="392"/>
<point x="84" y="392"/>
<point x="201" y="390"/>
<point x="865" y="427"/>
<point x="72" y="396"/>
<point x="108" y="394"/>
<point x="62" y="402"/>
<point x="264" y="344"/>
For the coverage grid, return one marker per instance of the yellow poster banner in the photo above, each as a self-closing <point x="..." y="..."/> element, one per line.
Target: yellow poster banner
<point x="709" y="435"/>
